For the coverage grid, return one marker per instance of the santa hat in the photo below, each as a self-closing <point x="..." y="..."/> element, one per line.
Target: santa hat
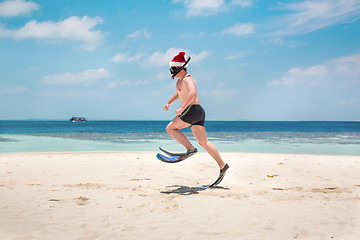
<point x="180" y="60"/>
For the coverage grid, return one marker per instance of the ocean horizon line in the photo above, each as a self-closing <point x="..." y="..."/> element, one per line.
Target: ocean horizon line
<point x="162" y="120"/>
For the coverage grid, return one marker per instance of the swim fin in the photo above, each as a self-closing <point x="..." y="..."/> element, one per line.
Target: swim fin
<point x="168" y="159"/>
<point x="175" y="157"/>
<point x="188" y="153"/>
<point x="221" y="175"/>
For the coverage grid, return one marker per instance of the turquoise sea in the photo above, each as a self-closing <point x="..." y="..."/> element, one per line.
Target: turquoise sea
<point x="329" y="138"/>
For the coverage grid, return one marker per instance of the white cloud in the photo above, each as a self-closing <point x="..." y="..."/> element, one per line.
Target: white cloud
<point x="126" y="83"/>
<point x="162" y="75"/>
<point x="139" y="34"/>
<point x="157" y="58"/>
<point x="204" y="8"/>
<point x="221" y="94"/>
<point x="240" y="29"/>
<point x="123" y="57"/>
<point x="313" y="15"/>
<point x="119" y="57"/>
<point x="210" y="7"/>
<point x="349" y="64"/>
<point x="242" y="3"/>
<point x="71" y="29"/>
<point x="86" y="77"/>
<point x="200" y="56"/>
<point x="237" y="55"/>
<point x="344" y="71"/>
<point x="163" y="59"/>
<point x="14" y="8"/>
<point x="349" y="102"/>
<point x="298" y="75"/>
<point x="12" y="90"/>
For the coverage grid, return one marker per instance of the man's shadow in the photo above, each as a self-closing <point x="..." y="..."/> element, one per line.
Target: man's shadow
<point x="186" y="190"/>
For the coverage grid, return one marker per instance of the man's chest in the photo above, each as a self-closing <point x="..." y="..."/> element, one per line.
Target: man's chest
<point x="179" y="87"/>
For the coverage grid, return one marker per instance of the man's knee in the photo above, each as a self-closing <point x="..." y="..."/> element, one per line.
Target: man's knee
<point x="170" y="128"/>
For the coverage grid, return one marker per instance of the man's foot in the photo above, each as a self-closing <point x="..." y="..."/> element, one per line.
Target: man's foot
<point x="191" y="152"/>
<point x="223" y="170"/>
<point x="187" y="154"/>
<point x="221" y="175"/>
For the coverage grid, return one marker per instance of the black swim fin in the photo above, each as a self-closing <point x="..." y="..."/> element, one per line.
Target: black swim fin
<point x="180" y="155"/>
<point x="221" y="175"/>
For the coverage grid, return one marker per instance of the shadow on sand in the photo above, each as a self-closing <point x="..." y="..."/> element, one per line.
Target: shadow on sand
<point x="186" y="190"/>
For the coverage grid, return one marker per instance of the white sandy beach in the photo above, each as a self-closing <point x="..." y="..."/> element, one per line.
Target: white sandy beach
<point x="135" y="196"/>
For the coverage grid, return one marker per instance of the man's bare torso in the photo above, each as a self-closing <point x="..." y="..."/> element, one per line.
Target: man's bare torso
<point x="183" y="91"/>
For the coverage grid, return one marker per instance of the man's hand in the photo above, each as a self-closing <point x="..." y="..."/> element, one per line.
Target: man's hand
<point x="179" y="111"/>
<point x="166" y="107"/>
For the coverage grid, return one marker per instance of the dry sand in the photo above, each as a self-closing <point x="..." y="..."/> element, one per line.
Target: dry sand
<point x="135" y="196"/>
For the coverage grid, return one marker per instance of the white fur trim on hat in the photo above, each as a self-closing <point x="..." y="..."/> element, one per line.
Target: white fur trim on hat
<point x="176" y="64"/>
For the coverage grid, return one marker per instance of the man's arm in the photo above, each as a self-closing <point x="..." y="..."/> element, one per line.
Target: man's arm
<point x="171" y="100"/>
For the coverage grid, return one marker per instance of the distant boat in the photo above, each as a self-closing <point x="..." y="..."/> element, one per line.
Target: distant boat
<point x="77" y="119"/>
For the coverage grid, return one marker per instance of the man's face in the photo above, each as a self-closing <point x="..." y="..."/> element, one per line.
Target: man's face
<point x="175" y="71"/>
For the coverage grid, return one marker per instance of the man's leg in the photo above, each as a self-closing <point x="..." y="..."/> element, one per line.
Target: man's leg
<point x="173" y="129"/>
<point x="200" y="135"/>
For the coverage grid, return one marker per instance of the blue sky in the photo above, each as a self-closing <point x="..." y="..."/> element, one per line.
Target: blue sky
<point x="251" y="59"/>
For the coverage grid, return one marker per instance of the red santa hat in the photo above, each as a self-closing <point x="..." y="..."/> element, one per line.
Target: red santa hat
<point x="179" y="60"/>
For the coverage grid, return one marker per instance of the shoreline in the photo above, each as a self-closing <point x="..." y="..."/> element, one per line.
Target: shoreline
<point x="132" y="195"/>
<point x="155" y="152"/>
<point x="347" y="145"/>
<point x="201" y="151"/>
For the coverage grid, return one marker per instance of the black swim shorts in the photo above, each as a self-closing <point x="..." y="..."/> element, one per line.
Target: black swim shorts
<point x="194" y="115"/>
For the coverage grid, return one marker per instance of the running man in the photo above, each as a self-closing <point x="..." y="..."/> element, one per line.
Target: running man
<point x="190" y="114"/>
